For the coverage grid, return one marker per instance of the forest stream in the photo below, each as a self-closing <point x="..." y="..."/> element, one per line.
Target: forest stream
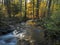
<point x="9" y="39"/>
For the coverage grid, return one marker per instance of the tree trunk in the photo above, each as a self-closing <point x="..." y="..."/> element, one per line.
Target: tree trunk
<point x="37" y="9"/>
<point x="49" y="6"/>
<point x="25" y="10"/>
<point x="33" y="8"/>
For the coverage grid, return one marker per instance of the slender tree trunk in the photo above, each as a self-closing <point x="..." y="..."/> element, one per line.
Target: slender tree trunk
<point x="37" y="9"/>
<point x="2" y="2"/>
<point x="8" y="3"/>
<point x="49" y="6"/>
<point x="25" y="9"/>
<point x="20" y="5"/>
<point x="33" y="8"/>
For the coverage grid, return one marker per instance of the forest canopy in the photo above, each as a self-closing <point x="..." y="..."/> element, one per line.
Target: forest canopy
<point x="47" y="11"/>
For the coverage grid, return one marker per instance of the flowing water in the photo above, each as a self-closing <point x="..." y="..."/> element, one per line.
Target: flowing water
<point x="8" y="39"/>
